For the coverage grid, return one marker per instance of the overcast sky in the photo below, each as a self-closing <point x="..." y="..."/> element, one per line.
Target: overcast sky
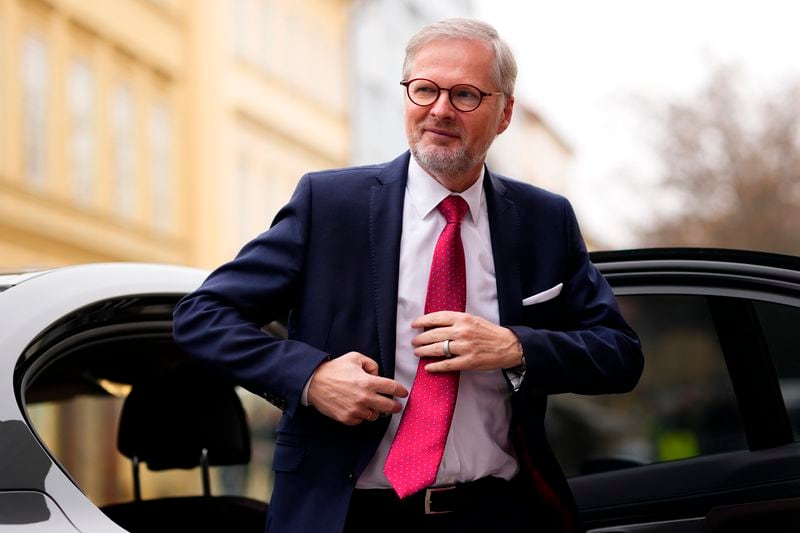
<point x="583" y="64"/>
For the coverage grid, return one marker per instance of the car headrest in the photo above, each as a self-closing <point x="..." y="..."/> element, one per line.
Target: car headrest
<point x="167" y="422"/>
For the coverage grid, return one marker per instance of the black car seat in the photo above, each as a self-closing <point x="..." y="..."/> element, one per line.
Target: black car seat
<point x="185" y="419"/>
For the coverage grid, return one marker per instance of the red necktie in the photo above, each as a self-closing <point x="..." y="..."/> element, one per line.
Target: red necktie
<point x="418" y="446"/>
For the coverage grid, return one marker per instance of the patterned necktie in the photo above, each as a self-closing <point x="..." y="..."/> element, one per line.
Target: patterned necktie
<point x="418" y="446"/>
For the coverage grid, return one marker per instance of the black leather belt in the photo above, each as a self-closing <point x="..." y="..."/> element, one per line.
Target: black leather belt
<point x="437" y="500"/>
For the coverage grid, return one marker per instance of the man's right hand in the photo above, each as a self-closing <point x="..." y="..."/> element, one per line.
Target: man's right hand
<point x="348" y="389"/>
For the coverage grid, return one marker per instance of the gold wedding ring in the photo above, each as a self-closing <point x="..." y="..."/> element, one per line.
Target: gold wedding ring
<point x="373" y="416"/>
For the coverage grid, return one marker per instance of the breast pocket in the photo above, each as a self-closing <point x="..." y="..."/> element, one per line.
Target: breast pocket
<point x="544" y="309"/>
<point x="543" y="296"/>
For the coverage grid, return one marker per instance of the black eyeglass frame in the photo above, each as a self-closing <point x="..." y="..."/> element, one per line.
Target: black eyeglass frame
<point x="484" y="94"/>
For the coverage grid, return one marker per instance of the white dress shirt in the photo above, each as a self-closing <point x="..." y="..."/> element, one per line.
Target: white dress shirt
<point x="478" y="443"/>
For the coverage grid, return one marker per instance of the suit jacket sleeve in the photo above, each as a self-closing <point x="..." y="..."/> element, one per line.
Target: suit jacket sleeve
<point x="592" y="350"/>
<point x="220" y="323"/>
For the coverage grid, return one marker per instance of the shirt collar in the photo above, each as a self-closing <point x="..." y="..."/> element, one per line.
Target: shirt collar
<point x="426" y="193"/>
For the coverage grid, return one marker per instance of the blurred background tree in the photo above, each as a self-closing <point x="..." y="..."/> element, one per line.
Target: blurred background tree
<point x="731" y="167"/>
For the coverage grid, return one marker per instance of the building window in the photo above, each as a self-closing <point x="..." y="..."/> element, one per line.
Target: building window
<point x="82" y="141"/>
<point x="243" y="197"/>
<point x="239" y="28"/>
<point x="252" y="22"/>
<point x="35" y="109"/>
<point x="296" y="37"/>
<point x="161" y="171"/>
<point x="124" y="150"/>
<point x="3" y="68"/>
<point x="266" y="17"/>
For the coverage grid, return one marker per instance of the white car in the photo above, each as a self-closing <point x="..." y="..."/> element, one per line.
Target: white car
<point x="81" y="331"/>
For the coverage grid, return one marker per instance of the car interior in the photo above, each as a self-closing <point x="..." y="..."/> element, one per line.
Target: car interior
<point x="121" y="391"/>
<point x="185" y="419"/>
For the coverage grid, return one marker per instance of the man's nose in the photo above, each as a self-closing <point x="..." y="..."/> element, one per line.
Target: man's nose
<point x="442" y="107"/>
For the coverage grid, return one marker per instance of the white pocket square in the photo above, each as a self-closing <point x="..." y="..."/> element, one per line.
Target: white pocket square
<point x="543" y="296"/>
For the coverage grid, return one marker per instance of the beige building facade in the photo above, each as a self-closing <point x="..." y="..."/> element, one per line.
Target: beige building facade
<point x="159" y="131"/>
<point x="162" y="130"/>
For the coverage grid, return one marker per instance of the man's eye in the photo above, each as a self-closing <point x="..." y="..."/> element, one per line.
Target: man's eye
<point x="466" y="94"/>
<point x="424" y="90"/>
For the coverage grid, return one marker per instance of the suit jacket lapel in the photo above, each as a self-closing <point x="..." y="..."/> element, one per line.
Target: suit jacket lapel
<point x="385" y="228"/>
<point x="504" y="224"/>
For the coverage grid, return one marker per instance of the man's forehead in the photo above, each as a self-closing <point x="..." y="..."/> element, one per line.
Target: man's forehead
<point x="457" y="45"/>
<point x="454" y="56"/>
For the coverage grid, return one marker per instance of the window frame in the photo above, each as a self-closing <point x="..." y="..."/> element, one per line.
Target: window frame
<point x="687" y="489"/>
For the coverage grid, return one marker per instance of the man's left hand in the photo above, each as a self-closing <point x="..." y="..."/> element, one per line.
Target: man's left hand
<point x="475" y="343"/>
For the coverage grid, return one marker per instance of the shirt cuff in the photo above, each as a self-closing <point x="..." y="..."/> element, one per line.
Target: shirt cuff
<point x="304" y="395"/>
<point x="516" y="374"/>
<point x="515" y="377"/>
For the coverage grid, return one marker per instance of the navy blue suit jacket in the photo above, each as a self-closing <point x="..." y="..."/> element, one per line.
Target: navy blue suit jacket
<point x="330" y="262"/>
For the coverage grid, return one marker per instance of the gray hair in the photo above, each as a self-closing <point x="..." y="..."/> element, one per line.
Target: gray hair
<point x="504" y="70"/>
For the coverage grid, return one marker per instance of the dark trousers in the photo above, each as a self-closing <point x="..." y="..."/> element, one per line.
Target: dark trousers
<point x="487" y="505"/>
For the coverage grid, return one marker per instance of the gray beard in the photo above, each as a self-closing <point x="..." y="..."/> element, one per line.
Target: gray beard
<point x="444" y="162"/>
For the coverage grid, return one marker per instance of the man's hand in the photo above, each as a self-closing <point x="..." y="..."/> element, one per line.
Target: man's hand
<point x="348" y="389"/>
<point x="475" y="343"/>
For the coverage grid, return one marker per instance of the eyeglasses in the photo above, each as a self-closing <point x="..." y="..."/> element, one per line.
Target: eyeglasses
<point x="464" y="97"/>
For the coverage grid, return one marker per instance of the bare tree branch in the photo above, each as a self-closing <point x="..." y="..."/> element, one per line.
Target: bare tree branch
<point x="734" y="163"/>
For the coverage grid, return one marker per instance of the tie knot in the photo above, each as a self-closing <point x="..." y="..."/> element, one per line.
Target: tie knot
<point x="453" y="208"/>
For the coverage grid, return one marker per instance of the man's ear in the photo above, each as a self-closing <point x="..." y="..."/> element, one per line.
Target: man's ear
<point x="505" y="118"/>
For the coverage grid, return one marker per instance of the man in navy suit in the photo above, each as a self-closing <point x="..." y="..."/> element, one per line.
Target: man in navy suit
<point x="347" y="260"/>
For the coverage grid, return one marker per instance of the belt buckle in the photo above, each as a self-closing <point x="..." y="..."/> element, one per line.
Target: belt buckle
<point x="429" y="492"/>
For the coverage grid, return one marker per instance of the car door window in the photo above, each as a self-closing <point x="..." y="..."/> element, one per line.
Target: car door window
<point x="684" y="405"/>
<point x="81" y="433"/>
<point x="780" y="325"/>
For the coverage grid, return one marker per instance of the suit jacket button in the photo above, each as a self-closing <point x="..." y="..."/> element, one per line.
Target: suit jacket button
<point x="351" y="478"/>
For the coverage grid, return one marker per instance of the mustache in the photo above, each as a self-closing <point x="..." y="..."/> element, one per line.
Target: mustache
<point x="440" y="125"/>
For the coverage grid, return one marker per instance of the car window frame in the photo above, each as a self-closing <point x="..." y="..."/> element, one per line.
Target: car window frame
<point x="690" y="488"/>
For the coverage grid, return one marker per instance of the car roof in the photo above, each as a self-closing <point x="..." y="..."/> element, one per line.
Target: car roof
<point x="101" y="272"/>
<point x="697" y="255"/>
<point x="11" y="278"/>
<point x="704" y="262"/>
